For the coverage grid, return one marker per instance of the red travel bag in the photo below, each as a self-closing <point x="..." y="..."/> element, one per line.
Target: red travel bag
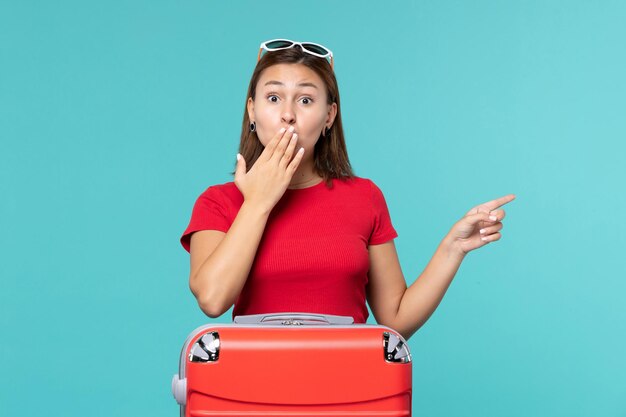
<point x="294" y="364"/>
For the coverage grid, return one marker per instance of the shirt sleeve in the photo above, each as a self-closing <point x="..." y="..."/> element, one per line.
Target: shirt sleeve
<point x="209" y="213"/>
<point x="382" y="230"/>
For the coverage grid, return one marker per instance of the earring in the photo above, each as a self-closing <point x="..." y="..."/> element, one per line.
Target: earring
<point x="326" y="132"/>
<point x="252" y="126"/>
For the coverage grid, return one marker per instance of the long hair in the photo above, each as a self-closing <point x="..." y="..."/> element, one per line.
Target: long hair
<point x="330" y="154"/>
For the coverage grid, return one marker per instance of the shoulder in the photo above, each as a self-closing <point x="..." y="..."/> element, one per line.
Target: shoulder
<point x="361" y="191"/>
<point x="226" y="193"/>
<point x="225" y="189"/>
<point x="355" y="182"/>
<point x="359" y="184"/>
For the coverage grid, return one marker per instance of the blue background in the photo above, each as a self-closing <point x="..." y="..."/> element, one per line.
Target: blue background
<point x="115" y="116"/>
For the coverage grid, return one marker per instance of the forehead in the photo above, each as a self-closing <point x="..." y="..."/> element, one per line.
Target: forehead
<point x="290" y="75"/>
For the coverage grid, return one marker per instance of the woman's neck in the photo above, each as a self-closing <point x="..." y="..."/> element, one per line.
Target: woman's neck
<point x="304" y="177"/>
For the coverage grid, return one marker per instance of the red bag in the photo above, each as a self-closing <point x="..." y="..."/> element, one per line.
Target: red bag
<point x="294" y="364"/>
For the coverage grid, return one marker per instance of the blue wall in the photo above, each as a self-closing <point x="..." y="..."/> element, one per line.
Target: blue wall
<point x="115" y="116"/>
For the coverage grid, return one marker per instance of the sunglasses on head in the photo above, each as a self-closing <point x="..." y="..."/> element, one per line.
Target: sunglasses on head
<point x="308" y="47"/>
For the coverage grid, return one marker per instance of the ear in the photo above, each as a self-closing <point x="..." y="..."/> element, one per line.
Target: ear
<point x="250" y="106"/>
<point x="332" y="113"/>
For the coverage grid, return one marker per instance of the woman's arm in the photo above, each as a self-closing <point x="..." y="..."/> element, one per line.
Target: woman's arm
<point x="221" y="262"/>
<point x="417" y="303"/>
<point x="407" y="309"/>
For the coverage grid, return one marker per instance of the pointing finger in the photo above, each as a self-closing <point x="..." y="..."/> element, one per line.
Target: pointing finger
<point x="492" y="205"/>
<point x="498" y="202"/>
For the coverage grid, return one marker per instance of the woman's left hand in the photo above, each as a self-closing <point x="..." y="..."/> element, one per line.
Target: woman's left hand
<point x="480" y="225"/>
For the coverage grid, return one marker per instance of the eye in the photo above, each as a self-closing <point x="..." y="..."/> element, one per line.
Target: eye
<point x="271" y="98"/>
<point x="306" y="100"/>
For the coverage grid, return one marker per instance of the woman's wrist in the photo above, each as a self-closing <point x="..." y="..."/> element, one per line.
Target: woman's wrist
<point x="256" y="209"/>
<point x="452" y="247"/>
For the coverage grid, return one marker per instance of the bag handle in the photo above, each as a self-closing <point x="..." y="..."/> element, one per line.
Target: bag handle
<point x="290" y="319"/>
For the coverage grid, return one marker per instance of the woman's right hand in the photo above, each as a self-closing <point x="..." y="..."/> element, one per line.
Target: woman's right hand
<point x="271" y="174"/>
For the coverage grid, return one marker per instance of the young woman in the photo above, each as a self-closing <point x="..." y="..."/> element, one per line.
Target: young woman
<point x="297" y="231"/>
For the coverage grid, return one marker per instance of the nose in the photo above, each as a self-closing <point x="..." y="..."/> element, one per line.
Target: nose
<point x="288" y="116"/>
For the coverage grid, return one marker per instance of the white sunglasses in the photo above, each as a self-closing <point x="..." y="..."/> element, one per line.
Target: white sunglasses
<point x="308" y="47"/>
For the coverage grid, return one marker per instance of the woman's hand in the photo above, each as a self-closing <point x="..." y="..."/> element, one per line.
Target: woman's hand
<point x="479" y="226"/>
<point x="270" y="175"/>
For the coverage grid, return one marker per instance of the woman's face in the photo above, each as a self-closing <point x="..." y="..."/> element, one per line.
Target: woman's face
<point x="291" y="95"/>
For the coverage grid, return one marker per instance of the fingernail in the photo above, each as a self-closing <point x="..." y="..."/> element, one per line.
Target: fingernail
<point x="301" y="150"/>
<point x="291" y="128"/>
<point x="238" y="157"/>
<point x="482" y="231"/>
<point x="294" y="137"/>
<point x="483" y="238"/>
<point x="493" y="218"/>
<point x="282" y="130"/>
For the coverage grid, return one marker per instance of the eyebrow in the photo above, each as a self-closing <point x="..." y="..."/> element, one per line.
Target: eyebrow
<point x="299" y="85"/>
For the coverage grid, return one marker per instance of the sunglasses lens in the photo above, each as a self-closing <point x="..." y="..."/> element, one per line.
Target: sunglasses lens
<point x="278" y="44"/>
<point x="315" y="48"/>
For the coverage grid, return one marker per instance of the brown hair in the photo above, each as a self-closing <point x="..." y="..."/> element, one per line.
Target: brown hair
<point x="330" y="154"/>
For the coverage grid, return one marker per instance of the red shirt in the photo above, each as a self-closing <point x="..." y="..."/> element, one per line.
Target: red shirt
<point x="313" y="256"/>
